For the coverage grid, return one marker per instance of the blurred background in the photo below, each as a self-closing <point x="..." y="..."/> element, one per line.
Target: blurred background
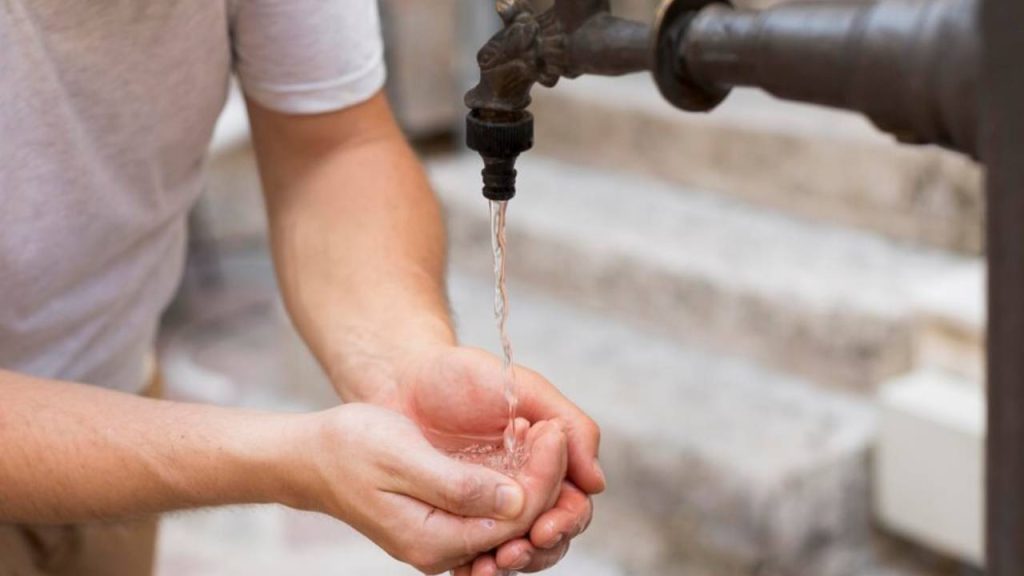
<point x="775" y="313"/>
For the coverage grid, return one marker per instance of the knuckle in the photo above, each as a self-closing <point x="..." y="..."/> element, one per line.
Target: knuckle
<point x="466" y="489"/>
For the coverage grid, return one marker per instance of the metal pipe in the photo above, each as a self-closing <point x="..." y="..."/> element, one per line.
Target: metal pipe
<point x="609" y="46"/>
<point x="908" y="65"/>
<point x="1003" y="154"/>
<point x="571" y="14"/>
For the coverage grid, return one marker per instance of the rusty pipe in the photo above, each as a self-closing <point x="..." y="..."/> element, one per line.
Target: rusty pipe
<point x="609" y="46"/>
<point x="909" y="65"/>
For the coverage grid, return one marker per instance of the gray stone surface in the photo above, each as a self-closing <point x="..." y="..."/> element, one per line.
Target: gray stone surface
<point x="810" y="161"/>
<point x="819" y="301"/>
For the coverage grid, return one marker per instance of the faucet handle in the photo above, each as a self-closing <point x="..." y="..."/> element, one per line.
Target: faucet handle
<point x="510" y="9"/>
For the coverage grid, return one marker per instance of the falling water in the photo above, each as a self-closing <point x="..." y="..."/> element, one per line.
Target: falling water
<point x="509" y="456"/>
<point x="498" y="244"/>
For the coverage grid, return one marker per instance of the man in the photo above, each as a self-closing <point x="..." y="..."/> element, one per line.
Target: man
<point x="108" y="107"/>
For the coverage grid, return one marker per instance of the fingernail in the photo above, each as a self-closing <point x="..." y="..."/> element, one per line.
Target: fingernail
<point x="509" y="502"/>
<point x="600" y="472"/>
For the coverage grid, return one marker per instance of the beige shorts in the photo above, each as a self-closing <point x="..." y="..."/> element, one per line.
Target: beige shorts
<point x="122" y="548"/>
<point x="100" y="549"/>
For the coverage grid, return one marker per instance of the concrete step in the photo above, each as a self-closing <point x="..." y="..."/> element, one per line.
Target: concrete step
<point x="810" y="161"/>
<point x="827" y="303"/>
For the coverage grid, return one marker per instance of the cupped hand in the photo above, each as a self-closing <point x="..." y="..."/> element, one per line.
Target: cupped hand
<point x="459" y="392"/>
<point x="373" y="469"/>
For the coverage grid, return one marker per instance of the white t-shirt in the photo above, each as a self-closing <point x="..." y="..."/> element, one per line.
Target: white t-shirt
<point x="106" y="111"/>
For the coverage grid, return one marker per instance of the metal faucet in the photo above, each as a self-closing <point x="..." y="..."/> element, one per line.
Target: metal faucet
<point x="911" y="66"/>
<point x="573" y="37"/>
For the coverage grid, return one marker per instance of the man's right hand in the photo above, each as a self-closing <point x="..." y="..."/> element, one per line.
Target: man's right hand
<point x="373" y="469"/>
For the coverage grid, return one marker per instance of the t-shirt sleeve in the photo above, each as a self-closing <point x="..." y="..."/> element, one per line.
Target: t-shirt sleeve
<point x="308" y="56"/>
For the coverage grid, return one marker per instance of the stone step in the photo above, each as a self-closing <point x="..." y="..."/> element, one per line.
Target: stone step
<point x="810" y="161"/>
<point x="827" y="303"/>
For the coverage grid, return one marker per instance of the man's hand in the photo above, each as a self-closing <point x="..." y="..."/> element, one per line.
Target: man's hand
<point x="459" y="392"/>
<point x="373" y="469"/>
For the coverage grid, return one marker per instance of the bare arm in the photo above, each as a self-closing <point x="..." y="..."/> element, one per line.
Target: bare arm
<point x="71" y="452"/>
<point x="357" y="238"/>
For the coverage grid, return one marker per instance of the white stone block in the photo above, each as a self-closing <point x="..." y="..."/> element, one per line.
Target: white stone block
<point x="929" y="475"/>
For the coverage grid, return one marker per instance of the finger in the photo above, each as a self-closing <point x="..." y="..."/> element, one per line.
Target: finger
<point x="515" y="554"/>
<point x="550" y="534"/>
<point x="485" y="566"/>
<point x="540" y="400"/>
<point x="445" y="541"/>
<point x="461" y="488"/>
<point x="521" y="556"/>
<point x="541" y="478"/>
<point x="521" y="429"/>
<point x="464" y="570"/>
<point x="569" y="517"/>
<point x="544" y="559"/>
<point x="429" y="539"/>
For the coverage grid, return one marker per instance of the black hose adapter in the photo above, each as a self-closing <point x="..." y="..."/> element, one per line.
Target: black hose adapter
<point x="499" y="138"/>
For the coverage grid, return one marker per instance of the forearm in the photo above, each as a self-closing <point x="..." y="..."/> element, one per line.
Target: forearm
<point x="358" y="242"/>
<point x="71" y="452"/>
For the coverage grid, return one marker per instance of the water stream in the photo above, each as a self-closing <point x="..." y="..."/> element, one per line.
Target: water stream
<point x="510" y="459"/>
<point x="508" y="454"/>
<point x="501" y="312"/>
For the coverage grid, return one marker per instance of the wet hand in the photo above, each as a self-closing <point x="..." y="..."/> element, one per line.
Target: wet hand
<point x="373" y="469"/>
<point x="547" y="543"/>
<point x="459" y="392"/>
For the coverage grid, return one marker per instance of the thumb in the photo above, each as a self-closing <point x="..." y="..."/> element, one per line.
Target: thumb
<point x="461" y="488"/>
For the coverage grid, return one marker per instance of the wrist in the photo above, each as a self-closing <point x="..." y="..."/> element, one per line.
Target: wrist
<point x="370" y="359"/>
<point x="268" y="459"/>
<point x="309" y="448"/>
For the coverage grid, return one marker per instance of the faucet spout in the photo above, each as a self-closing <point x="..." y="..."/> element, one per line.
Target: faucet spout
<point x="573" y="37"/>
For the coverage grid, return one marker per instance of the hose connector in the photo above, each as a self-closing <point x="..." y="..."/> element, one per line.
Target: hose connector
<point x="499" y="138"/>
